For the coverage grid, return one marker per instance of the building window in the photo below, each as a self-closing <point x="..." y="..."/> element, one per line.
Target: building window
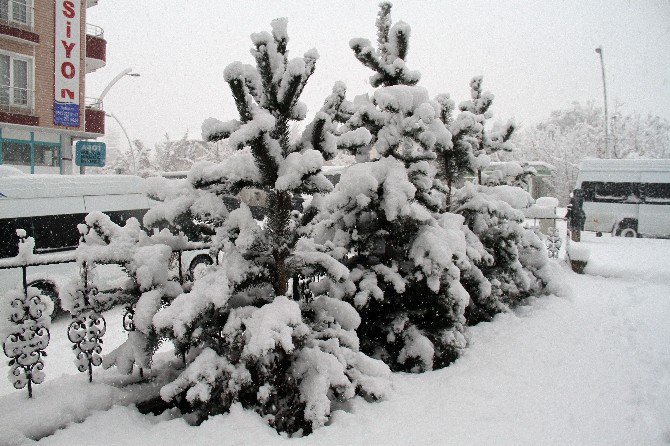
<point x="17" y="153"/>
<point x="17" y="11"/>
<point x="15" y="81"/>
<point x="47" y="155"/>
<point x="36" y="154"/>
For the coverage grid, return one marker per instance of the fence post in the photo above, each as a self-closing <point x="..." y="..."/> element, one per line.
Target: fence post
<point x="88" y="325"/>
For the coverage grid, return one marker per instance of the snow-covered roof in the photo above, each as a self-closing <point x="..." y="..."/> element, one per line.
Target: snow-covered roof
<point x="50" y="186"/>
<point x="650" y="165"/>
<point x="542" y="168"/>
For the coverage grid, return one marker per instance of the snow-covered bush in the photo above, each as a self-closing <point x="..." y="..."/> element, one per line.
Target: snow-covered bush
<point x="146" y="261"/>
<point x="513" y="259"/>
<point x="242" y="338"/>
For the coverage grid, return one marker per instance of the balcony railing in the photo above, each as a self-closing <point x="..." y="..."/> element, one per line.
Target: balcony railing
<point x="17" y="100"/>
<point x="17" y="12"/>
<point x="95" y="31"/>
<point x="94" y="103"/>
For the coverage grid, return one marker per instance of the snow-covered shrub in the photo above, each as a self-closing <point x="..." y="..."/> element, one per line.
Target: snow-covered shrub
<point x="514" y="258"/>
<point x="404" y="262"/>
<point x="189" y="214"/>
<point x="242" y="338"/>
<point x="146" y="260"/>
<point x="286" y="362"/>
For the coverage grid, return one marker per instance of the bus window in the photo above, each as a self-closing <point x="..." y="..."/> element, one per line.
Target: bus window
<point x="657" y="193"/>
<point x="616" y="192"/>
<point x="56" y="232"/>
<point x="120" y="217"/>
<point x="8" y="238"/>
<point x="589" y="190"/>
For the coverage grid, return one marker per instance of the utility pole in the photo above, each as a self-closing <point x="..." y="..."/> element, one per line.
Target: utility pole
<point x="599" y="50"/>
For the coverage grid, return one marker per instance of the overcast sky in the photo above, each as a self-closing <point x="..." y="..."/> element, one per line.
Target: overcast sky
<point x="535" y="56"/>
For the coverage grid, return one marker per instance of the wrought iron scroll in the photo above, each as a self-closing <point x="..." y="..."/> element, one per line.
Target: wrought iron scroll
<point x="88" y="325"/>
<point x="129" y="325"/>
<point x="26" y="345"/>
<point x="553" y="243"/>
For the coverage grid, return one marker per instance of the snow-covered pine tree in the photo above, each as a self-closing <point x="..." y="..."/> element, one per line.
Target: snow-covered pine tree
<point x="508" y="261"/>
<point x="472" y="142"/>
<point x="385" y="219"/>
<point x="247" y="340"/>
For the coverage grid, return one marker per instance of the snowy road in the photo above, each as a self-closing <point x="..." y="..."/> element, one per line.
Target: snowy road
<point x="590" y="368"/>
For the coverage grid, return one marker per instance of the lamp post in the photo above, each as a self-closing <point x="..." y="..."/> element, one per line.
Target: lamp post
<point x="130" y="145"/>
<point x="127" y="72"/>
<point x="98" y="104"/>
<point x="599" y="50"/>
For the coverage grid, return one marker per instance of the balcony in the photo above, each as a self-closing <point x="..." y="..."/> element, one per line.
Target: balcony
<point x="90" y="3"/>
<point x="17" y="21"/>
<point x="94" y="116"/>
<point x="96" y="48"/>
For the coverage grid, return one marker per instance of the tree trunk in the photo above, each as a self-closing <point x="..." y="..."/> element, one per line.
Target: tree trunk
<point x="280" y="214"/>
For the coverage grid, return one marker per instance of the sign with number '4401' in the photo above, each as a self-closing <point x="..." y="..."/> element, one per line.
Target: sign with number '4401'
<point x="90" y="153"/>
<point x="67" y="44"/>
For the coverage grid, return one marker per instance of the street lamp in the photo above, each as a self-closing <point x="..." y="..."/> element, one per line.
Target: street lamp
<point x="98" y="105"/>
<point x="126" y="72"/>
<point x="599" y="50"/>
<point x="130" y="145"/>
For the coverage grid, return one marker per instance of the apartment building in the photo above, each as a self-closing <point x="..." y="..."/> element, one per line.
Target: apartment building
<point x="46" y="50"/>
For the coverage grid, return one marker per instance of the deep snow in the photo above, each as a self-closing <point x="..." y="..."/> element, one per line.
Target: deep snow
<point x="592" y="367"/>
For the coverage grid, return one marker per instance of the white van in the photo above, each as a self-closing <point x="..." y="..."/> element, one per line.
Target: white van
<point x="628" y="198"/>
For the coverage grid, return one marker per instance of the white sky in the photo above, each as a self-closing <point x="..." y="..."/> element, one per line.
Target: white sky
<point x="535" y="56"/>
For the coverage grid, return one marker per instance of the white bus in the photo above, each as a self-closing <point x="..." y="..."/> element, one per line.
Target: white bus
<point x="629" y="198"/>
<point x="49" y="208"/>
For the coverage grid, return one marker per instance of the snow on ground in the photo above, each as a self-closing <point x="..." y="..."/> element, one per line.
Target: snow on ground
<point x="592" y="367"/>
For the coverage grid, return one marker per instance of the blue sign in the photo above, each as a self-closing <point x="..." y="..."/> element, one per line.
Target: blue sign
<point x="66" y="114"/>
<point x="90" y="153"/>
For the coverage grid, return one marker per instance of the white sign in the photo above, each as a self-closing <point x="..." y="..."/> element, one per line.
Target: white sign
<point x="68" y="52"/>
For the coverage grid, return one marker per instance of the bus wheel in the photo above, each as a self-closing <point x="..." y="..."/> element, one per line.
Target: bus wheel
<point x="48" y="289"/>
<point x="199" y="265"/>
<point x="628" y="232"/>
<point x="627" y="228"/>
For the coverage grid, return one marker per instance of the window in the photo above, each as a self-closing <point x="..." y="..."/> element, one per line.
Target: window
<point x="16" y="153"/>
<point x="56" y="232"/>
<point x="657" y="193"/>
<point x="15" y="80"/>
<point x="47" y="155"/>
<point x="17" y="11"/>
<point x="607" y="192"/>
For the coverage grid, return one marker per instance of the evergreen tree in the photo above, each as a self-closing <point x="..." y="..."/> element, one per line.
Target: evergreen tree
<point x="514" y="261"/>
<point x="385" y="219"/>
<point x="507" y="261"/>
<point x="245" y="337"/>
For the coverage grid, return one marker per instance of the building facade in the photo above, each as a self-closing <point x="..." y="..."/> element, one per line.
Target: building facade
<point x="46" y="50"/>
